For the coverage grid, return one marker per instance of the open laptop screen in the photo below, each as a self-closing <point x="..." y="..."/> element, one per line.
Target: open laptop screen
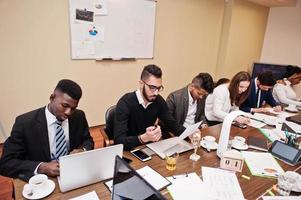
<point x="128" y="184"/>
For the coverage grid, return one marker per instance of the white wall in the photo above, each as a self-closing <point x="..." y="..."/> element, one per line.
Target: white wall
<point x="282" y="42"/>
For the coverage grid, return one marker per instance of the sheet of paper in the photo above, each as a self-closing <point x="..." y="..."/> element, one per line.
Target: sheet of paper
<point x="222" y="183"/>
<point x="190" y="130"/>
<point x="89" y="196"/>
<point x="256" y="124"/>
<point x="153" y="177"/>
<point x="150" y="175"/>
<point x="281" y="198"/>
<point x="273" y="134"/>
<point x="262" y="164"/>
<point x="100" y="7"/>
<point x="188" y="186"/>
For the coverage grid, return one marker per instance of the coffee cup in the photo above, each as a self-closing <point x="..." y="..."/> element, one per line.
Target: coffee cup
<point x="292" y="107"/>
<point x="209" y="141"/>
<point x="37" y="182"/>
<point x="238" y="141"/>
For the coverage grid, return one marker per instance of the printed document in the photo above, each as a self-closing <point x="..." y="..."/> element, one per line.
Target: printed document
<point x="222" y="183"/>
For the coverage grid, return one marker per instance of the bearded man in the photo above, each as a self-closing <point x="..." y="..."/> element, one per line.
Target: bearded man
<point x="138" y="112"/>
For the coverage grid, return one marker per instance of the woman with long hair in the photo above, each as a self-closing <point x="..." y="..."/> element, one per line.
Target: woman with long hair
<point x="228" y="97"/>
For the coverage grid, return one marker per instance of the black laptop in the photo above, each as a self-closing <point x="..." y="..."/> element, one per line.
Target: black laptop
<point x="128" y="184"/>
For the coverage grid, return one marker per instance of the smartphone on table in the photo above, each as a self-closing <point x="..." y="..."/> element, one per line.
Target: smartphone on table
<point x="239" y="125"/>
<point x="140" y="155"/>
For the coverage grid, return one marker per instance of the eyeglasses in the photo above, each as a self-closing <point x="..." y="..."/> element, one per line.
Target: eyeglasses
<point x="154" y="88"/>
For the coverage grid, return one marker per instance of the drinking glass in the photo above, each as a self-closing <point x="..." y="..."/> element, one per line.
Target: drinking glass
<point x="285" y="184"/>
<point x="195" y="139"/>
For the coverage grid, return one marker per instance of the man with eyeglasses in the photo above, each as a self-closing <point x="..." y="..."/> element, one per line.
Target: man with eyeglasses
<point x="137" y="112"/>
<point x="186" y="105"/>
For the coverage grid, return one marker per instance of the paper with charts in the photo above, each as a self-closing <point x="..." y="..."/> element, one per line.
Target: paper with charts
<point x="221" y="183"/>
<point x="262" y="164"/>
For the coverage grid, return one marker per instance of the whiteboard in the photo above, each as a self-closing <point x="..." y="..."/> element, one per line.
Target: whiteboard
<point x="124" y="30"/>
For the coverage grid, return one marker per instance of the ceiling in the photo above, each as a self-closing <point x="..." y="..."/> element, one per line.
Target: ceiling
<point x="275" y="3"/>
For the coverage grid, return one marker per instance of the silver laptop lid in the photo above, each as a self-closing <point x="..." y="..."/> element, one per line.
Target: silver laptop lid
<point x="81" y="169"/>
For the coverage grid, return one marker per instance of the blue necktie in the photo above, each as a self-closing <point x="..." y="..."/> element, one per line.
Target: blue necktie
<point x="60" y="141"/>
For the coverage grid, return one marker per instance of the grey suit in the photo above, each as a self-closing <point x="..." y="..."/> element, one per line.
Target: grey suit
<point x="178" y="102"/>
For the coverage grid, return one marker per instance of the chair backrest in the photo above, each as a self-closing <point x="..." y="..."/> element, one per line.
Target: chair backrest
<point x="109" y="117"/>
<point x="3" y="135"/>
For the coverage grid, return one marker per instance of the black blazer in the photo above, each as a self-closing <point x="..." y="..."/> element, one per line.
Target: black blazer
<point x="251" y="100"/>
<point x="28" y="144"/>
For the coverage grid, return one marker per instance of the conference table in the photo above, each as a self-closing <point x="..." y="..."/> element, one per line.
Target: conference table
<point x="252" y="189"/>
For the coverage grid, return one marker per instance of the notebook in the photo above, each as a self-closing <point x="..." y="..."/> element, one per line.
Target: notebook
<point x="128" y="184"/>
<point x="257" y="143"/>
<point x="81" y="169"/>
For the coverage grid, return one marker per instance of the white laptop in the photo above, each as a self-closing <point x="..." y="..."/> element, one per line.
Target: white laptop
<point x="174" y="144"/>
<point x="81" y="169"/>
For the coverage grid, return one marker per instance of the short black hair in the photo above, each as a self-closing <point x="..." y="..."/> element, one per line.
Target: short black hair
<point x="222" y="81"/>
<point x="69" y="87"/>
<point x="266" y="78"/>
<point x="205" y="81"/>
<point x="291" y="70"/>
<point x="149" y="70"/>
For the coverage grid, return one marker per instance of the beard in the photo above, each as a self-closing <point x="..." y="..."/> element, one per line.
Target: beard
<point x="148" y="98"/>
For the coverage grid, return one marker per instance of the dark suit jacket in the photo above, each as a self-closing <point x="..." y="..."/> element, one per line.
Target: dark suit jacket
<point x="178" y="103"/>
<point x="251" y="100"/>
<point x="28" y="144"/>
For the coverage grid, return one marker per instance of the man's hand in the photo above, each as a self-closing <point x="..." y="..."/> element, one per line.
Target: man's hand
<point x="76" y="151"/>
<point x="153" y="134"/>
<point x="259" y="110"/>
<point x="277" y="108"/>
<point x="203" y="126"/>
<point x="49" y="168"/>
<point x="242" y="120"/>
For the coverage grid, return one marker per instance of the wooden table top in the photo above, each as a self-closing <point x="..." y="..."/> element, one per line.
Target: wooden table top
<point x="252" y="189"/>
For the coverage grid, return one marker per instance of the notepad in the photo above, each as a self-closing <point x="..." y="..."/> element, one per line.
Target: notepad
<point x="151" y="176"/>
<point x="257" y="143"/>
<point x="188" y="186"/>
<point x="88" y="196"/>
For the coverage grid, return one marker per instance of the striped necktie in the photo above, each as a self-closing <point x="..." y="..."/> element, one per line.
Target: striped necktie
<point x="60" y="141"/>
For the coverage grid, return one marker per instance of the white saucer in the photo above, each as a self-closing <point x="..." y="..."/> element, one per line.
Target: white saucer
<point x="293" y="110"/>
<point x="213" y="147"/>
<point x="43" y="193"/>
<point x="243" y="147"/>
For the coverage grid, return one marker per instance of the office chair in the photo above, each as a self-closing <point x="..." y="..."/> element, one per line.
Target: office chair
<point x="3" y="135"/>
<point x="109" y="128"/>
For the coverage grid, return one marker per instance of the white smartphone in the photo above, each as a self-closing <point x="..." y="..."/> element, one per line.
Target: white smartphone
<point x="140" y="155"/>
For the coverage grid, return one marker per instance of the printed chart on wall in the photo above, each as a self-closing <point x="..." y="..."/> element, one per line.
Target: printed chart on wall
<point x="112" y="29"/>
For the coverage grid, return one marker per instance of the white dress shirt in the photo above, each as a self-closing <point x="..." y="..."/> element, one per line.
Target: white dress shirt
<point x="192" y="107"/>
<point x="141" y="100"/>
<point x="218" y="104"/>
<point x="51" y="126"/>
<point x="285" y="94"/>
